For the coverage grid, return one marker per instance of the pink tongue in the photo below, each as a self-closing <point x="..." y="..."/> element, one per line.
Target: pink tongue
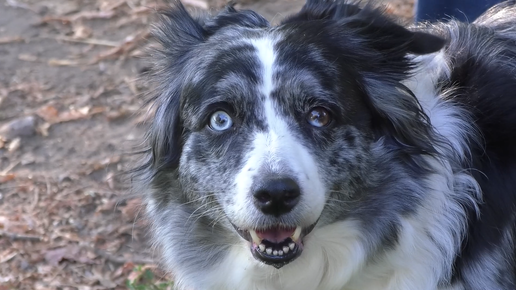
<point x="275" y="235"/>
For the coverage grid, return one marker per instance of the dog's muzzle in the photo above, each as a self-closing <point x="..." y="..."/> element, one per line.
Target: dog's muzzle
<point x="276" y="246"/>
<point x="280" y="244"/>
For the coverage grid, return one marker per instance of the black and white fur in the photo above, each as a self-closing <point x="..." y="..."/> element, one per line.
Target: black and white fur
<point x="411" y="186"/>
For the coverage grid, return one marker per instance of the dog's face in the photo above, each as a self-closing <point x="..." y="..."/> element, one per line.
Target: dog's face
<point x="264" y="133"/>
<point x="268" y="135"/>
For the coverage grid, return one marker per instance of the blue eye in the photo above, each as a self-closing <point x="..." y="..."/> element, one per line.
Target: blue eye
<point x="220" y="121"/>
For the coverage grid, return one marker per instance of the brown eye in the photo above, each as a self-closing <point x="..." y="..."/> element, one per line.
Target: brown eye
<point x="319" y="117"/>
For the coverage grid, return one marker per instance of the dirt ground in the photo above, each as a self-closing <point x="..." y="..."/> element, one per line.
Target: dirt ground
<point x="69" y="94"/>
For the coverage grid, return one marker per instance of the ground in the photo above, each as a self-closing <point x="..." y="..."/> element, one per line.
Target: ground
<point x="69" y="97"/>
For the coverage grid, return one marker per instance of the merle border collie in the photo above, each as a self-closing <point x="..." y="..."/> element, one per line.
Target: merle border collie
<point x="336" y="150"/>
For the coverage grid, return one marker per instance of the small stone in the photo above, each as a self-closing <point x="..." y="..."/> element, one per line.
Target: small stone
<point x="14" y="145"/>
<point x="16" y="128"/>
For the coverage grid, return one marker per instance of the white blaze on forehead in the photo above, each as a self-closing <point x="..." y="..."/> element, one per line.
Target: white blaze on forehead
<point x="277" y="128"/>
<point x="266" y="55"/>
<point x="270" y="142"/>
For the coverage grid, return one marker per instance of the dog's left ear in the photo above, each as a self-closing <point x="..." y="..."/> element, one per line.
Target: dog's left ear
<point x="387" y="36"/>
<point x="372" y="24"/>
<point x="424" y="43"/>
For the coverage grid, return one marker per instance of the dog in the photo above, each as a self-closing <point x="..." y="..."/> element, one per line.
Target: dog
<point x="337" y="150"/>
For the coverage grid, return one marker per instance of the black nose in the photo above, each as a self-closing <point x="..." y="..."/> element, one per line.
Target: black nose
<point x="276" y="196"/>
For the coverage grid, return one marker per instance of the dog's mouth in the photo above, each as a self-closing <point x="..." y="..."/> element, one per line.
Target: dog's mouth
<point x="276" y="246"/>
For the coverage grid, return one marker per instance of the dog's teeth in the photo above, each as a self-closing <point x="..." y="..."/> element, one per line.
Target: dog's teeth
<point x="291" y="246"/>
<point x="269" y="251"/>
<point x="261" y="247"/>
<point x="285" y="249"/>
<point x="297" y="234"/>
<point x="280" y="252"/>
<point x="255" y="237"/>
<point x="275" y="253"/>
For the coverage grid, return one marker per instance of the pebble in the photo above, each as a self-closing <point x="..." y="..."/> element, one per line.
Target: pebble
<point x="20" y="127"/>
<point x="14" y="145"/>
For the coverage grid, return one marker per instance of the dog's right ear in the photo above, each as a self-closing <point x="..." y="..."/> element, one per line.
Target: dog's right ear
<point x="176" y="34"/>
<point x="177" y="31"/>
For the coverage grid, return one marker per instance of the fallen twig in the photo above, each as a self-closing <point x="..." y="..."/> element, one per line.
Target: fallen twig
<point x="93" y="41"/>
<point x="63" y="62"/>
<point x="129" y="44"/>
<point x="84" y="15"/>
<point x="9" y="168"/>
<point x="20" y="237"/>
<point x="36" y="200"/>
<point x="11" y="39"/>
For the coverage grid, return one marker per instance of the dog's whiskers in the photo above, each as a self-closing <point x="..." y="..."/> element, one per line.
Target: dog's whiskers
<point x="193" y="214"/>
<point x="200" y="198"/>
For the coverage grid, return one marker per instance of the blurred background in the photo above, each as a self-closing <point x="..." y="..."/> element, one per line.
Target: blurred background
<point x="69" y="92"/>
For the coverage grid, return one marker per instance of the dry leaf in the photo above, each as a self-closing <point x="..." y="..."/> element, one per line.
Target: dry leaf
<point x="52" y="115"/>
<point x="7" y="177"/>
<point x="111" y="180"/>
<point x="71" y="253"/>
<point x="27" y="57"/>
<point x="123" y="270"/>
<point x="81" y="113"/>
<point x="107" y="206"/>
<point x="53" y="257"/>
<point x="7" y="255"/>
<point x="82" y="32"/>
<point x="43" y="129"/>
<point x="48" y="113"/>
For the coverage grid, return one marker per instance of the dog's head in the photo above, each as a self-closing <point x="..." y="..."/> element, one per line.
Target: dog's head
<point x="268" y="131"/>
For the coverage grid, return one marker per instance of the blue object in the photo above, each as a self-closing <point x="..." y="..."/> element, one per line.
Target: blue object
<point x="464" y="10"/>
